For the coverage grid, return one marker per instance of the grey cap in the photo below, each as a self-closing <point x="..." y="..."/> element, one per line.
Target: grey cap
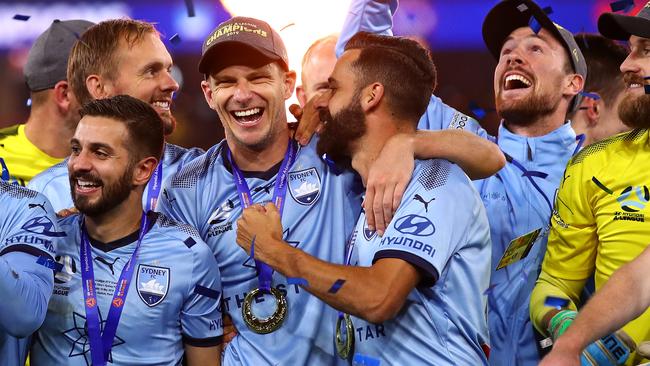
<point x="509" y="15"/>
<point x="47" y="61"/>
<point x="621" y="27"/>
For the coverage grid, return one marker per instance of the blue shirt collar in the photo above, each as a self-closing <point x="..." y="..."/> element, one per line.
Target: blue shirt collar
<point x="538" y="148"/>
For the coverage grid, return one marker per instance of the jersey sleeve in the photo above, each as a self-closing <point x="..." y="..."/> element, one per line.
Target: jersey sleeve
<point x="179" y="199"/>
<point x="374" y="16"/>
<point x="201" y="320"/>
<point x="28" y="224"/>
<point x="425" y="231"/>
<point x="54" y="184"/>
<point x="573" y="241"/>
<point x="29" y="286"/>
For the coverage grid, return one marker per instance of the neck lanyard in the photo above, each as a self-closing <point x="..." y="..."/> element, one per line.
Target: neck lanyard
<point x="153" y="188"/>
<point x="264" y="271"/>
<point x="102" y="342"/>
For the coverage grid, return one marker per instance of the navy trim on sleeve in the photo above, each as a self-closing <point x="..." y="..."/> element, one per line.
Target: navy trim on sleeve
<point x="206" y="291"/>
<point x="429" y="272"/>
<point x="202" y="342"/>
<point x="26" y="249"/>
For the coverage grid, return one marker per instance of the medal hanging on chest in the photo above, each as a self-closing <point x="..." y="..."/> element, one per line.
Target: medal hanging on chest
<point x="264" y="272"/>
<point x="345" y="345"/>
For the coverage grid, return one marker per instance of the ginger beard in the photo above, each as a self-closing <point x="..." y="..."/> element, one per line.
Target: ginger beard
<point x="112" y="194"/>
<point x="634" y="109"/>
<point x="340" y="131"/>
<point x="536" y="104"/>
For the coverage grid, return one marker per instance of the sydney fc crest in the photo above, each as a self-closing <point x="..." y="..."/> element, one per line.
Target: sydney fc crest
<point x="153" y="284"/>
<point x="304" y="186"/>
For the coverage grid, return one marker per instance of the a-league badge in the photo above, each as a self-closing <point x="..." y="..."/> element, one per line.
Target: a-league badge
<point x="304" y="186"/>
<point x="153" y="283"/>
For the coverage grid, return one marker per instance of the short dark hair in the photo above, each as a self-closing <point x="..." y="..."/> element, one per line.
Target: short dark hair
<point x="402" y="65"/>
<point x="144" y="125"/>
<point x="604" y="58"/>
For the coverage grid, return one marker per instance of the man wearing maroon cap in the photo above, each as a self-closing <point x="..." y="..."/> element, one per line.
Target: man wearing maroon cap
<point x="247" y="82"/>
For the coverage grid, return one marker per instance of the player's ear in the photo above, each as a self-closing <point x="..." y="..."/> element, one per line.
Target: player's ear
<point x="143" y="170"/>
<point x="371" y="96"/>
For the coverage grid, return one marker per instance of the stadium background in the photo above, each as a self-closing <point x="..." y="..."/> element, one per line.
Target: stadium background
<point x="451" y="28"/>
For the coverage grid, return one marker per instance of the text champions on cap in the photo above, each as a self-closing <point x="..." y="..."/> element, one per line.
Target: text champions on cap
<point x="234" y="28"/>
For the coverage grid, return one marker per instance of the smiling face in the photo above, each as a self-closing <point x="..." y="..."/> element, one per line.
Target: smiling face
<point x="530" y="78"/>
<point x="100" y="167"/>
<point x="634" y="109"/>
<point x="143" y="71"/>
<point x="250" y="103"/>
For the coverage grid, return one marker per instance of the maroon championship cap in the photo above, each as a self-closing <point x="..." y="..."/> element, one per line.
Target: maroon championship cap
<point x="242" y="40"/>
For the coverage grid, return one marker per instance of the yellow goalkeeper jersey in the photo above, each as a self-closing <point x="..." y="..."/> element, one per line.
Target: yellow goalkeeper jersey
<point x="20" y="160"/>
<point x="601" y="218"/>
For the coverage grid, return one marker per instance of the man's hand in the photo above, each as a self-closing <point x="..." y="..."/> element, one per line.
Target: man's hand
<point x="560" y="356"/>
<point x="262" y="224"/>
<point x="229" y="330"/>
<point x="67" y="212"/>
<point x="308" y="121"/>
<point x="387" y="180"/>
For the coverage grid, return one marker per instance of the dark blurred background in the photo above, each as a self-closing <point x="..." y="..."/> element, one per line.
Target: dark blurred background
<point x="451" y="28"/>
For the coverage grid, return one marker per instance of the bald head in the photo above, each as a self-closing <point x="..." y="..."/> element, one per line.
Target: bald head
<point x="317" y="65"/>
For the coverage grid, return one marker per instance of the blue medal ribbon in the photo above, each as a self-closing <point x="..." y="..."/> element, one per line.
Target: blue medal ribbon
<point x="153" y="188"/>
<point x="101" y="342"/>
<point x="264" y="271"/>
<point x="348" y="258"/>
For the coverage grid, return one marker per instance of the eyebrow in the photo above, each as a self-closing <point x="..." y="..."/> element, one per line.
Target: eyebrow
<point x="93" y="145"/>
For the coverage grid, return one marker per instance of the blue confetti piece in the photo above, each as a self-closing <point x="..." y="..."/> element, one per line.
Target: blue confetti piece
<point x="479" y="112"/>
<point x="297" y="281"/>
<point x="647" y="89"/>
<point x="336" y="286"/>
<point x="534" y="25"/>
<point x="622" y="5"/>
<point x="556" y="302"/>
<point x="363" y="360"/>
<point x="22" y="17"/>
<point x="175" y="39"/>
<point x="49" y="263"/>
<point x="593" y="96"/>
<point x="29" y="102"/>
<point x="490" y="289"/>
<point x="190" y="8"/>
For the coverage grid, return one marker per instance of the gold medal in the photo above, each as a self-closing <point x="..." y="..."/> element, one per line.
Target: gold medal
<point x="266" y="325"/>
<point x="344" y="347"/>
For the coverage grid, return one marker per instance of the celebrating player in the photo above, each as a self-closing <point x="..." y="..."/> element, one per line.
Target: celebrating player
<point x="247" y="83"/>
<point x="136" y="288"/>
<point x="432" y="264"/>
<point x="121" y="56"/>
<point x="599" y="222"/>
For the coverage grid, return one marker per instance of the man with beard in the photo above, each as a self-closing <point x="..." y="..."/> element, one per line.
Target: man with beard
<point x="29" y="236"/>
<point x="247" y="82"/>
<point x="30" y="148"/>
<point x="172" y="307"/>
<point x="418" y="274"/>
<point x="600" y="217"/>
<point x="539" y="73"/>
<point x="121" y="56"/>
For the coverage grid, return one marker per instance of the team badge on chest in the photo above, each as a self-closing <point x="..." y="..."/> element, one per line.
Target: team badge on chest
<point x="153" y="283"/>
<point x="304" y="186"/>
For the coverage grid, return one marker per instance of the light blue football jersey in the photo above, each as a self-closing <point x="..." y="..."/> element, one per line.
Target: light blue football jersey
<point x="441" y="229"/>
<point x="55" y="185"/>
<point x="29" y="236"/>
<point x="173" y="297"/>
<point x="517" y="200"/>
<point x="319" y="214"/>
